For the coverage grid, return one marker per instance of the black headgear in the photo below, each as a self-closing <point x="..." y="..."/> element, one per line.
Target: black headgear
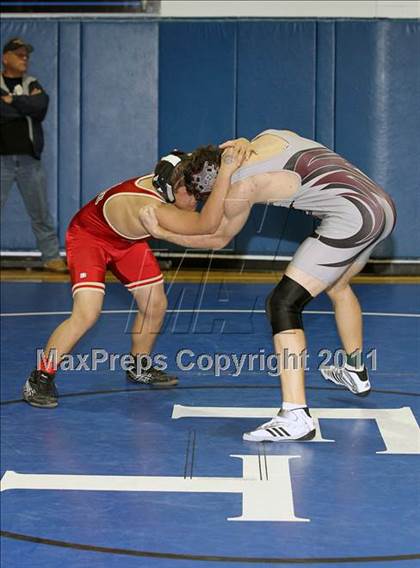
<point x="163" y="174"/>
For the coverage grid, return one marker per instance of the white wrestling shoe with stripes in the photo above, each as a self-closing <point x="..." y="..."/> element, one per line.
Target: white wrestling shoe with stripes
<point x="356" y="382"/>
<point x="287" y="426"/>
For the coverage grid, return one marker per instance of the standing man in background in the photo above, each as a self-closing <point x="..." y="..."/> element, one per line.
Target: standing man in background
<point x="23" y="107"/>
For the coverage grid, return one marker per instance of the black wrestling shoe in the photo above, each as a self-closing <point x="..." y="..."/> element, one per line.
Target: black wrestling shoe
<point x="39" y="390"/>
<point x="153" y="377"/>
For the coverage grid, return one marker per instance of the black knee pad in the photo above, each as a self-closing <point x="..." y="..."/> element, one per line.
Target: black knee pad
<point x="285" y="304"/>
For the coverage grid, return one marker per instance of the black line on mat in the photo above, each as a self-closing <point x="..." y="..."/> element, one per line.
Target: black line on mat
<point x="206" y="557"/>
<point x="202" y="387"/>
<point x="187" y="455"/>
<point x="192" y="453"/>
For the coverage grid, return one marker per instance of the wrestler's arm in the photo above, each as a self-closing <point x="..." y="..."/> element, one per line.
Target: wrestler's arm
<point x="231" y="224"/>
<point x="213" y="241"/>
<point x="208" y="219"/>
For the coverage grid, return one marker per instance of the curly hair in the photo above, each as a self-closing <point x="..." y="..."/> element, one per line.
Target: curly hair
<point x="195" y="163"/>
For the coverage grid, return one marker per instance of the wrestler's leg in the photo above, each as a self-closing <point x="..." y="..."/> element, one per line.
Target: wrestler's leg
<point x="39" y="389"/>
<point x="290" y="344"/>
<point x="87" y="306"/>
<point x="348" y="316"/>
<point x="152" y="304"/>
<point x="348" y="313"/>
<point x="87" y="261"/>
<point x="139" y="270"/>
<point x="284" y="307"/>
<point x="347" y="310"/>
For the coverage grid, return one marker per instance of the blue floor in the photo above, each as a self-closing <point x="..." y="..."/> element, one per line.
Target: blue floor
<point x="362" y="506"/>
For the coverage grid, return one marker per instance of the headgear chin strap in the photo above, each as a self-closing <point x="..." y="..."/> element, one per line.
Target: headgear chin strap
<point x="203" y="182"/>
<point x="163" y="174"/>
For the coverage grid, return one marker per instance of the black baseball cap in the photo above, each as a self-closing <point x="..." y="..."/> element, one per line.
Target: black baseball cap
<point x="15" y="43"/>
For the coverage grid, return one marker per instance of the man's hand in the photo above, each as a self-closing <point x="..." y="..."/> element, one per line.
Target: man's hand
<point x="149" y="220"/>
<point x="36" y="92"/>
<point x="7" y="99"/>
<point x="240" y="143"/>
<point x="232" y="160"/>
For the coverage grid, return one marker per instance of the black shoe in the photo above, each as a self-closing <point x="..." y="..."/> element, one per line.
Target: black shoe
<point x="153" y="377"/>
<point x="39" y="390"/>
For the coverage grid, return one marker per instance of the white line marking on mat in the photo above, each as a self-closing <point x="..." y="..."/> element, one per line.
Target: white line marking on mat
<point x="206" y="311"/>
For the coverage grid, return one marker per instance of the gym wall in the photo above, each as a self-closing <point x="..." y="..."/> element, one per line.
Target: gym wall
<point x="123" y="92"/>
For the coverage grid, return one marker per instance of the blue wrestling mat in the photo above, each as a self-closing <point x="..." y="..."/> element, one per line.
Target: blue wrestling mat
<point x="125" y="476"/>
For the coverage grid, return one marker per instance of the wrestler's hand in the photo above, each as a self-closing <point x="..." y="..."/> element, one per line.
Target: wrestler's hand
<point x="240" y="143"/>
<point x="149" y="220"/>
<point x="232" y="159"/>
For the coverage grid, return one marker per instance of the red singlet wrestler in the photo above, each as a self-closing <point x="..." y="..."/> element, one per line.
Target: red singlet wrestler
<point x="107" y="233"/>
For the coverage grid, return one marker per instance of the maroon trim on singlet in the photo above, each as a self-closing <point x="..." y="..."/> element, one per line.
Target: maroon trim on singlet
<point x="325" y="170"/>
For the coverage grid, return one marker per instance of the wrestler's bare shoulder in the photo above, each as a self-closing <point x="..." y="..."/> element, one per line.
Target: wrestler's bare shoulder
<point x="121" y="210"/>
<point x="129" y="201"/>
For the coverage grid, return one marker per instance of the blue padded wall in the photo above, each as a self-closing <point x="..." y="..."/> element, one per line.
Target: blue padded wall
<point x="352" y="85"/>
<point x="276" y="76"/>
<point x="325" y="84"/>
<point x="123" y="92"/>
<point x="69" y="124"/>
<point x="119" y="73"/>
<point x="197" y="84"/>
<point x="276" y="89"/>
<point x="378" y="116"/>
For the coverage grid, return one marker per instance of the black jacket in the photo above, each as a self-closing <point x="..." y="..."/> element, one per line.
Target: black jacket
<point x="32" y="107"/>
